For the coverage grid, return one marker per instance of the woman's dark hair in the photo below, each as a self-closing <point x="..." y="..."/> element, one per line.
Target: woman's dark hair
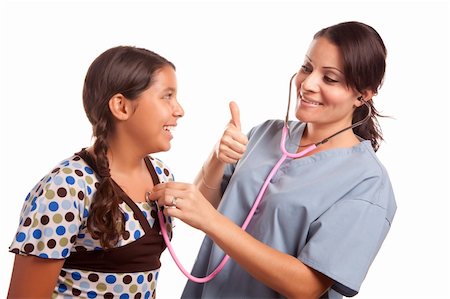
<point x="129" y="71"/>
<point x="364" y="57"/>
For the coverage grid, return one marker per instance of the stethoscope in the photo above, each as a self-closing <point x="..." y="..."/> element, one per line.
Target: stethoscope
<point x="285" y="155"/>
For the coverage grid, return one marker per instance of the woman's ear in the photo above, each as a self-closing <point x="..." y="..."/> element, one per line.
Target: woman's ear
<point x="365" y="96"/>
<point x="120" y="107"/>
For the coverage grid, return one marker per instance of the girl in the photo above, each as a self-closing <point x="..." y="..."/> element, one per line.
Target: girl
<point x="85" y="229"/>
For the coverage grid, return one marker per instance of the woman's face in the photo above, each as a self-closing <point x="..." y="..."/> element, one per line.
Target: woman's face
<point x="156" y="112"/>
<point x="323" y="97"/>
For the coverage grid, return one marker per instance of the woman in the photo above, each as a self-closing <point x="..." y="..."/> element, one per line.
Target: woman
<point x="323" y="216"/>
<point x="86" y="229"/>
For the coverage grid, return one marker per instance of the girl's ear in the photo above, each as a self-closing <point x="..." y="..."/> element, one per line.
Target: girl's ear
<point x="120" y="107"/>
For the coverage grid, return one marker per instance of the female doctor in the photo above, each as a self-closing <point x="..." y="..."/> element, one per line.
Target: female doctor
<point x="324" y="215"/>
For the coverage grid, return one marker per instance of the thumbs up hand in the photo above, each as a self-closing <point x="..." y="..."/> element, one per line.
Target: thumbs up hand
<point x="233" y="143"/>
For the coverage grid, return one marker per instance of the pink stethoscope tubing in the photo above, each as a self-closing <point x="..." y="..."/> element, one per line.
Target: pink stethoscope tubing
<point x="213" y="274"/>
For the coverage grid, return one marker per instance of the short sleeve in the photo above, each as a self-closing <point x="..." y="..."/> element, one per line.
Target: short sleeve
<point x="343" y="242"/>
<point x="53" y="212"/>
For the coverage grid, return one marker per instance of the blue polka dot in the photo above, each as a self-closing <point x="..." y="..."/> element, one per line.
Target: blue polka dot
<point x="158" y="170"/>
<point x="73" y="228"/>
<point x="20" y="237"/>
<point x="145" y="214"/>
<point x="48" y="231"/>
<point x="88" y="243"/>
<point x="75" y="204"/>
<point x="88" y="170"/>
<point x="76" y="276"/>
<point x="58" y="180"/>
<point x="65" y="252"/>
<point x="85" y="213"/>
<point x="43" y="255"/>
<point x="65" y="163"/>
<point x="42" y="208"/>
<point x="60" y="230"/>
<point x="33" y="205"/>
<point x="81" y="183"/>
<point x="126" y="216"/>
<point x="140" y="279"/>
<point x="28" y="197"/>
<point x="110" y="279"/>
<point x="124" y="296"/>
<point x="70" y="180"/>
<point x="37" y="234"/>
<point x="76" y="165"/>
<point x="92" y="294"/>
<point x="137" y="234"/>
<point x="118" y="288"/>
<point x="84" y="285"/>
<point x="81" y="236"/>
<point x="147" y="295"/>
<point x="53" y="206"/>
<point x="49" y="179"/>
<point x="156" y="275"/>
<point x="62" y="287"/>
<point x="89" y="190"/>
<point x="66" y="204"/>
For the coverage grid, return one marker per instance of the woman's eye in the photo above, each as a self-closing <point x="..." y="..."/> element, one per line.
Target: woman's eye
<point x="305" y="69"/>
<point x="329" y="80"/>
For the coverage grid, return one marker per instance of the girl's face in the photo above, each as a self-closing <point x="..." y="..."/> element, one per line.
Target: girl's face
<point x="156" y="113"/>
<point x="323" y="97"/>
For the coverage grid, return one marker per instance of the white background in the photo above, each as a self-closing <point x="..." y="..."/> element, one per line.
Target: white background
<point x="242" y="51"/>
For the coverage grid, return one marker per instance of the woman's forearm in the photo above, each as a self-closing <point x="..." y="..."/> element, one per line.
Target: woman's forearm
<point x="281" y="272"/>
<point x="209" y="178"/>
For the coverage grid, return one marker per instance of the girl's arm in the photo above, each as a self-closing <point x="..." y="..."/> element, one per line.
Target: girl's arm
<point x="34" y="277"/>
<point x="282" y="272"/>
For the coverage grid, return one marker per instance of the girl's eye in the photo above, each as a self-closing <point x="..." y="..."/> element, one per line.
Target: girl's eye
<point x="167" y="96"/>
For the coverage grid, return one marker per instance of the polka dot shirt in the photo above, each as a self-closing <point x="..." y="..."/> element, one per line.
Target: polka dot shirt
<point x="53" y="224"/>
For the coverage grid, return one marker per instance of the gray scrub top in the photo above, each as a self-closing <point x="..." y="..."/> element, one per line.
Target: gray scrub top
<point x="331" y="210"/>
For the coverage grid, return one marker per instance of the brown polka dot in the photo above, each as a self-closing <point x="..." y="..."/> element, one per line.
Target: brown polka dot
<point x="166" y="172"/>
<point x="76" y="158"/>
<point x="15" y="250"/>
<point x="108" y="295"/>
<point x="126" y="235"/>
<point x="73" y="239"/>
<point x="127" y="279"/>
<point x="80" y="248"/>
<point x="138" y="296"/>
<point x="55" y="170"/>
<point x="69" y="217"/>
<point x="27" y="222"/>
<point x="78" y="172"/>
<point x="42" y="192"/>
<point x="76" y="292"/>
<point x="62" y="192"/>
<point x="45" y="219"/>
<point x="93" y="277"/>
<point x="150" y="277"/>
<point x="51" y="243"/>
<point x="80" y="195"/>
<point x="28" y="247"/>
<point x="63" y="273"/>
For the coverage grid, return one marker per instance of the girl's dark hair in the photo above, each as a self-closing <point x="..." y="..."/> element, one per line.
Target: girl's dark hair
<point x="364" y="57"/>
<point x="128" y="71"/>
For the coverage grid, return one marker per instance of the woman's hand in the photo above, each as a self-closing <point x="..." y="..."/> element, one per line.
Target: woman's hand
<point x="185" y="202"/>
<point x="233" y="143"/>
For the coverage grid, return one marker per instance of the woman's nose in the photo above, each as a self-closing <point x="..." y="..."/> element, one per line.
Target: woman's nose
<point x="310" y="82"/>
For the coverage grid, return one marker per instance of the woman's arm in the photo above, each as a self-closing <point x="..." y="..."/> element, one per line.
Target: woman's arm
<point x="284" y="273"/>
<point x="230" y="148"/>
<point x="34" y="277"/>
